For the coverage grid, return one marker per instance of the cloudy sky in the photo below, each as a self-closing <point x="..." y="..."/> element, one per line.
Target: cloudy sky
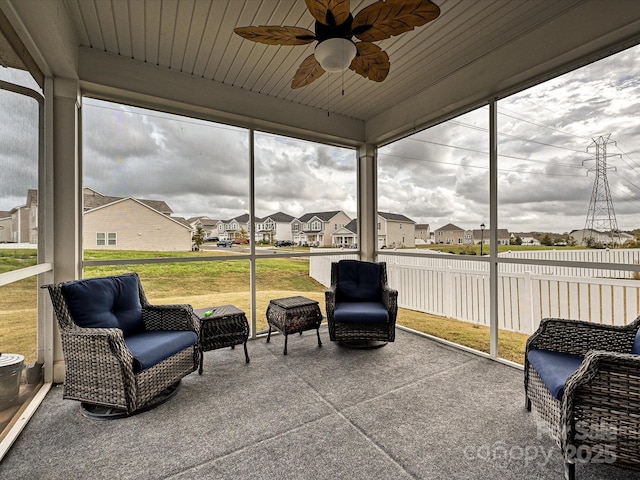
<point x="437" y="176"/>
<point x="547" y="158"/>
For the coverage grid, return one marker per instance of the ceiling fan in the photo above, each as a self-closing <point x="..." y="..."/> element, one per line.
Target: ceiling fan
<point x="335" y="28"/>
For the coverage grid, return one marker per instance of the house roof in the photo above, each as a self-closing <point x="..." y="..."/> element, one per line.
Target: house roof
<point x="32" y="197"/>
<point x="395" y="217"/>
<point x="449" y="227"/>
<point x="352" y="226"/>
<point x="279" y="217"/>
<point x="93" y="199"/>
<point x="241" y="219"/>
<point x="184" y="57"/>
<point x="323" y="216"/>
<point x="182" y="220"/>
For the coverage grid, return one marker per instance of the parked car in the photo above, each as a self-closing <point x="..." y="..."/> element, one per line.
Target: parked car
<point x="225" y="243"/>
<point x="283" y="243"/>
<point x="211" y="239"/>
<point x="241" y="241"/>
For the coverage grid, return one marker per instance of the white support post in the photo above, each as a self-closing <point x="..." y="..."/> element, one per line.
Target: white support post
<point x="252" y="227"/>
<point x="367" y="202"/>
<point x="67" y="193"/>
<point x="47" y="328"/>
<point x="493" y="229"/>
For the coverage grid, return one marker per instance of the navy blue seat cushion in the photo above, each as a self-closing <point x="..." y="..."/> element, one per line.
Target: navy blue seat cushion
<point x="361" y="312"/>
<point x="358" y="281"/>
<point x="151" y="347"/>
<point x="636" y="344"/>
<point x="110" y="302"/>
<point x="554" y="368"/>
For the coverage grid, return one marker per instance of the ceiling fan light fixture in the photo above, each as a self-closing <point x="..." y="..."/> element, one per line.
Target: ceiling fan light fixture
<point x="335" y="54"/>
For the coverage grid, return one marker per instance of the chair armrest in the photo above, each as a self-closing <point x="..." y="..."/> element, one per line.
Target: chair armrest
<point x="605" y="387"/>
<point x="330" y="302"/>
<point x="96" y="343"/>
<point x="579" y="337"/>
<point x="390" y="300"/>
<point x="170" y="317"/>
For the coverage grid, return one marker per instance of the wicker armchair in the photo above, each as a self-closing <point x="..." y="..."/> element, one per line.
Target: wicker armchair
<point x="584" y="381"/>
<point x="360" y="305"/>
<point x="121" y="353"/>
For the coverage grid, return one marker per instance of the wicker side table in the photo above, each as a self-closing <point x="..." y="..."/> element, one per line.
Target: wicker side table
<point x="227" y="326"/>
<point x="292" y="315"/>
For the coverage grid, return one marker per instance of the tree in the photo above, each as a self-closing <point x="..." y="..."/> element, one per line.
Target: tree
<point x="198" y="237"/>
<point x="546" y="240"/>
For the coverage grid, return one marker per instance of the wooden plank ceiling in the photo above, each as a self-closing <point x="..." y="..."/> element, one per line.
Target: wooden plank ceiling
<point x="196" y="37"/>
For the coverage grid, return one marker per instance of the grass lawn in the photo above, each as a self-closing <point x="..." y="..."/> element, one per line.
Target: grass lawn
<point x="208" y="283"/>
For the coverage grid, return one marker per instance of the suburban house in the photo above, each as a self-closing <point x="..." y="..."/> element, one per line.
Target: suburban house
<point x="526" y="237"/>
<point x="234" y="228"/>
<point x="423" y="233"/>
<point x="581" y="236"/>
<point x="346" y="236"/>
<point x="209" y="225"/>
<point x="20" y="225"/>
<point x="137" y="224"/>
<point x="117" y="223"/>
<point x="450" y="234"/>
<point x="276" y="226"/>
<point x="395" y="230"/>
<point x="5" y="227"/>
<point x="316" y="229"/>
<point x="478" y="235"/>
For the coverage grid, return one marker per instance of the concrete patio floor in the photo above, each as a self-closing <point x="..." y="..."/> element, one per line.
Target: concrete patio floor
<point x="413" y="409"/>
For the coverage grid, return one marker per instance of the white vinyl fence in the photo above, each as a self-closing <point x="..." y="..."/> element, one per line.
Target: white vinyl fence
<point x="459" y="289"/>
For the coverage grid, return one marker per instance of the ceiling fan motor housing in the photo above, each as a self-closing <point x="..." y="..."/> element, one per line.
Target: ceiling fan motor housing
<point x="324" y="32"/>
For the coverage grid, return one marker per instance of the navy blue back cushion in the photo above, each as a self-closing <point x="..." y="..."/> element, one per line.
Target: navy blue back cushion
<point x="636" y="344"/>
<point x="554" y="368"/>
<point x="110" y="302"/>
<point x="358" y="281"/>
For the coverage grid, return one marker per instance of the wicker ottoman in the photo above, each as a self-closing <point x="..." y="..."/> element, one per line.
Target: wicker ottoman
<point x="227" y="326"/>
<point x="292" y="315"/>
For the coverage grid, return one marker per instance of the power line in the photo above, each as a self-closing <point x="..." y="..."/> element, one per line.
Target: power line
<point x="545" y="162"/>
<point x="537" y="124"/>
<point x="404" y="157"/>
<point x="165" y="116"/>
<point x="501" y="134"/>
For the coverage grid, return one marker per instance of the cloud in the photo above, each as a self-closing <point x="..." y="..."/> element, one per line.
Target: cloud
<point x="18" y="151"/>
<point x="436" y="176"/>
<point x="546" y="160"/>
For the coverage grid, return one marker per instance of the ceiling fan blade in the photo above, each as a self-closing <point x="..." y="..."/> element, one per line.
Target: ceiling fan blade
<point x="371" y="62"/>
<point x="382" y="20"/>
<point x="308" y="71"/>
<point x="329" y="12"/>
<point x="273" y="35"/>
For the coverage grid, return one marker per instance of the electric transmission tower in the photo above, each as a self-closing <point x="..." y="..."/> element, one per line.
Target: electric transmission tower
<point x="601" y="216"/>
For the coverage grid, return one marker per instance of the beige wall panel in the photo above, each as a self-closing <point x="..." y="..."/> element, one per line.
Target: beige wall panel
<point x="137" y="228"/>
